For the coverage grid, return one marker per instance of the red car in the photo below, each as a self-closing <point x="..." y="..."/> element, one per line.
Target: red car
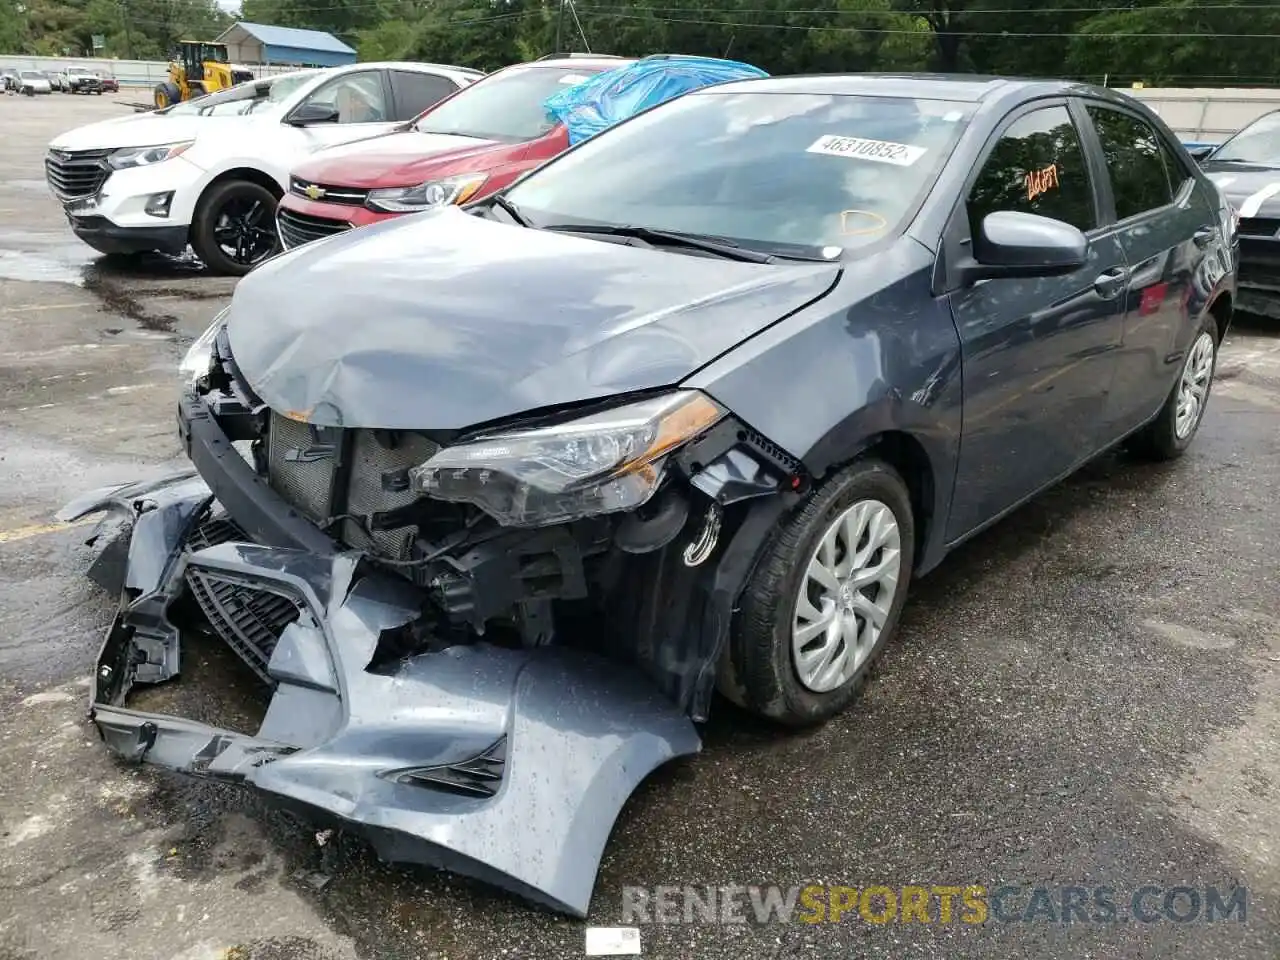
<point x="464" y="148"/>
<point x="109" y="83"/>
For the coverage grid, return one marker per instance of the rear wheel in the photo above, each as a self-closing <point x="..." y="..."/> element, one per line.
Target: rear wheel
<point x="825" y="599"/>
<point x="1175" y="426"/>
<point x="234" y="228"/>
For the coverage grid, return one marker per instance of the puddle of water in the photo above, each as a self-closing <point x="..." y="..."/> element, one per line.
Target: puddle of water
<point x="36" y="268"/>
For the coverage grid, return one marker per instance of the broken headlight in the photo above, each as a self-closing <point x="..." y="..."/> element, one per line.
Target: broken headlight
<point x="200" y="354"/>
<point x="602" y="463"/>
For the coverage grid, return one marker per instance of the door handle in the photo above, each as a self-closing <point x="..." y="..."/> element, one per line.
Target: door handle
<point x="1203" y="237"/>
<point x="1110" y="282"/>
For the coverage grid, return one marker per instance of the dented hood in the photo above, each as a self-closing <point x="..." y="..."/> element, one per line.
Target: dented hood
<point x="444" y="320"/>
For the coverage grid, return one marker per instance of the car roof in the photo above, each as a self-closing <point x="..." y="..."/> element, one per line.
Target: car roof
<point x="967" y="88"/>
<point x="410" y="65"/>
<point x="573" y="63"/>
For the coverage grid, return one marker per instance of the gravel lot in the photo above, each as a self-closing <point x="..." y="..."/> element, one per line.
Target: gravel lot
<point x="1088" y="694"/>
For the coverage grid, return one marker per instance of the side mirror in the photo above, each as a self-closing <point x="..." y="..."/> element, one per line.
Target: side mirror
<point x="1200" y="151"/>
<point x="311" y="113"/>
<point x="1014" y="244"/>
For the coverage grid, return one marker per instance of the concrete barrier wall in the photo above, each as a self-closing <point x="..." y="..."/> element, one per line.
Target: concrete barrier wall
<point x="130" y="73"/>
<point x="1207" y="115"/>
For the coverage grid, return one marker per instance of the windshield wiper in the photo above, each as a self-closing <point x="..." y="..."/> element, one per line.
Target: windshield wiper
<point x="509" y="208"/>
<point x="723" y="248"/>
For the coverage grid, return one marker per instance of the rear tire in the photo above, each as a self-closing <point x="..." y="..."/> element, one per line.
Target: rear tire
<point x="779" y="666"/>
<point x="234" y="228"/>
<point x="1168" y="436"/>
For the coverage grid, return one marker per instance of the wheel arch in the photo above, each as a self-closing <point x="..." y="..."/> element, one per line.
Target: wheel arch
<point x="252" y="174"/>
<point x="905" y="453"/>
<point x="1222" y="309"/>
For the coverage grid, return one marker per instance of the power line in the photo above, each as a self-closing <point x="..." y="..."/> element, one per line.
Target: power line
<point x="955" y="33"/>
<point x="1003" y="11"/>
<point x="966" y="14"/>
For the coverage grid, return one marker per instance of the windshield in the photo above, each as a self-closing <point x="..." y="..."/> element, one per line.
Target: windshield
<point x="32" y="75"/>
<point x="765" y="170"/>
<point x="242" y="98"/>
<point x="503" y="106"/>
<point x="1259" y="142"/>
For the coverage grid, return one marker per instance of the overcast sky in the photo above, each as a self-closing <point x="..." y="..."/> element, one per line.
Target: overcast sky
<point x="231" y="6"/>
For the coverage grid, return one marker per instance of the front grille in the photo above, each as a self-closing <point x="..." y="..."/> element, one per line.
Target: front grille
<point x="299" y="228"/>
<point x="352" y="196"/>
<point x="249" y="621"/>
<point x="326" y="472"/>
<point x="76" y="173"/>
<point x="1259" y="262"/>
<point x="1259" y="227"/>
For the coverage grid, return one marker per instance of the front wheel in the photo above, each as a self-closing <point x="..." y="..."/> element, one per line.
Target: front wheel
<point x="1170" y="434"/>
<point x="825" y="598"/>
<point x="166" y="95"/>
<point x="234" y="228"/>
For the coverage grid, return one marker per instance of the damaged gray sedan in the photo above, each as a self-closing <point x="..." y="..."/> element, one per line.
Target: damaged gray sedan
<point x="494" y="499"/>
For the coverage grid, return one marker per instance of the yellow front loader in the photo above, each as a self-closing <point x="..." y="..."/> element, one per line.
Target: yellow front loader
<point x="198" y="68"/>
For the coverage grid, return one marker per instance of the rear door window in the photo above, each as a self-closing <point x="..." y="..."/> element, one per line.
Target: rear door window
<point x="1037" y="166"/>
<point x="414" y="92"/>
<point x="1144" y="174"/>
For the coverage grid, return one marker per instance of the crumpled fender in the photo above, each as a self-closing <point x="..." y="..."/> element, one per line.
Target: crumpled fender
<point x="133" y="554"/>
<point x="507" y="765"/>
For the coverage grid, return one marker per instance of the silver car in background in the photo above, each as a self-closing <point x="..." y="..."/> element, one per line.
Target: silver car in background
<point x="32" y="82"/>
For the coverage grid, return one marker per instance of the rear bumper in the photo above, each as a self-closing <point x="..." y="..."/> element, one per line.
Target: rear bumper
<point x="440" y="757"/>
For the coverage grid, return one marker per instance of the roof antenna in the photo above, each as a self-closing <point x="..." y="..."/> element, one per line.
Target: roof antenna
<point x="728" y="46"/>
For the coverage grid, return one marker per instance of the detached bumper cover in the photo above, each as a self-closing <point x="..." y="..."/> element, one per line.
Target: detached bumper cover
<point x="509" y="766"/>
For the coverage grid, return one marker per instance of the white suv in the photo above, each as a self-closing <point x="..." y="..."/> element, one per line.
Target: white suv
<point x="209" y="171"/>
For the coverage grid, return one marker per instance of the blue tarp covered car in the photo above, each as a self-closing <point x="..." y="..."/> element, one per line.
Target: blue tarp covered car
<point x="609" y="98"/>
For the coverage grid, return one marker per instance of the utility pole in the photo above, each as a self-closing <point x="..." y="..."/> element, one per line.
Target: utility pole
<point x="559" y="24"/>
<point x="128" y="38"/>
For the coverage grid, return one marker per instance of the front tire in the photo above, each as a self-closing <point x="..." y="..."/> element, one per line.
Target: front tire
<point x="825" y="598"/>
<point x="166" y="95"/>
<point x="234" y="228"/>
<point x="1169" y="435"/>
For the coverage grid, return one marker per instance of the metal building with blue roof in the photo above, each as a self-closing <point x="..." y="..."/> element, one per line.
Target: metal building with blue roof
<point x="262" y="43"/>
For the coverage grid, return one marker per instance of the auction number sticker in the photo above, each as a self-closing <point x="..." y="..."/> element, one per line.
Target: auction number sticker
<point x="859" y="148"/>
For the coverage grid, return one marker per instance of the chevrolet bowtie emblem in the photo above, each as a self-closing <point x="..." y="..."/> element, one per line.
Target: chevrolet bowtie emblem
<point x="312" y="191"/>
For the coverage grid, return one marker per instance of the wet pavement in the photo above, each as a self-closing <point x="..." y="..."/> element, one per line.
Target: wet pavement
<point x="1089" y="694"/>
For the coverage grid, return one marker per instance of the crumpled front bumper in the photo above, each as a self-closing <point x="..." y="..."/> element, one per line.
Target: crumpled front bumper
<point x="505" y="765"/>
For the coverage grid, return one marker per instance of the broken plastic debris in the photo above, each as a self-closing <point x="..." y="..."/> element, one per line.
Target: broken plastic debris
<point x="613" y="941"/>
<point x="313" y="878"/>
<point x="323" y="837"/>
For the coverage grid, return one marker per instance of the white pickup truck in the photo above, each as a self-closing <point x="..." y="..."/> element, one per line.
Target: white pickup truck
<point x="208" y="172"/>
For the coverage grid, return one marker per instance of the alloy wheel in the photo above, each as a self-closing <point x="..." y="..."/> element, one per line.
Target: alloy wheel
<point x="1193" y="388"/>
<point x="845" y="595"/>
<point x="244" y="230"/>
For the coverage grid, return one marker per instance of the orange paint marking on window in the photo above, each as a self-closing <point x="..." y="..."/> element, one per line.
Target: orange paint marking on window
<point x="1042" y="181"/>
<point x="872" y="223"/>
